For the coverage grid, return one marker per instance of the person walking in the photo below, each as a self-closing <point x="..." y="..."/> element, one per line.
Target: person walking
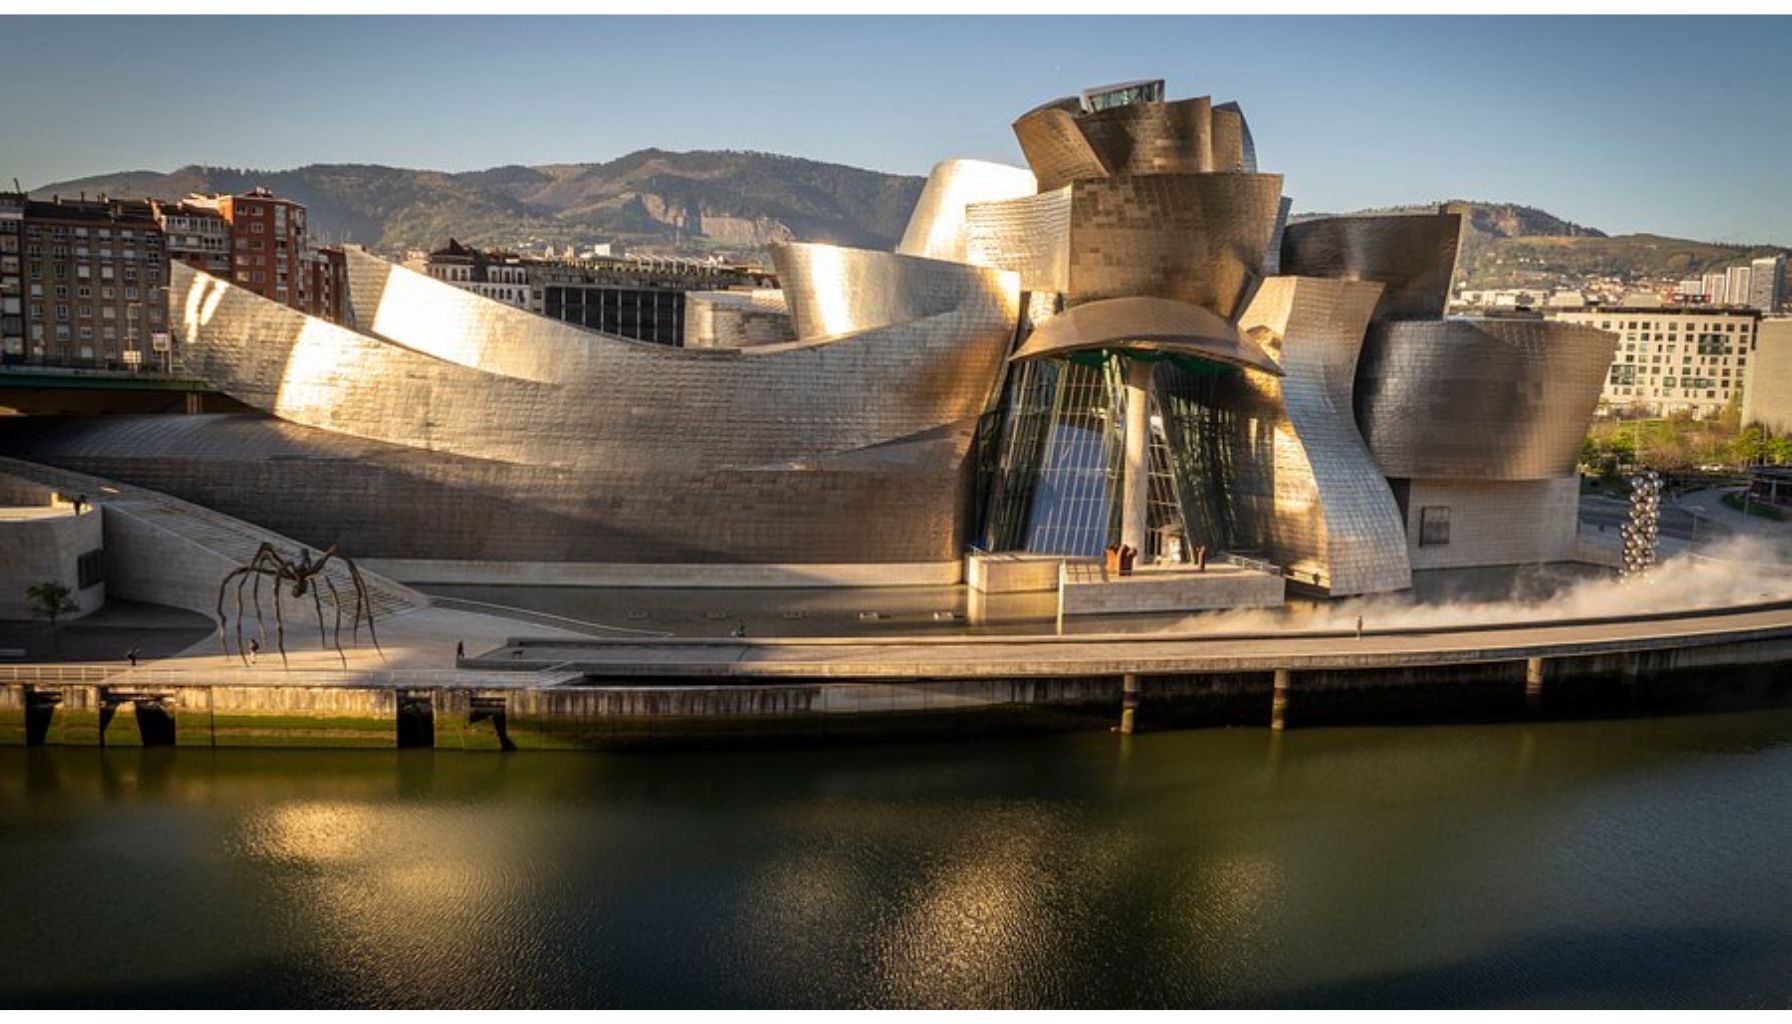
<point x="254" y="649"/>
<point x="132" y="655"/>
<point x="1359" y="627"/>
<point x="460" y="651"/>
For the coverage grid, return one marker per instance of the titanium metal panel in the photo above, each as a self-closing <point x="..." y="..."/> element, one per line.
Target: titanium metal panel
<point x="1030" y="236"/>
<point x="1247" y="145"/>
<point x="1153" y="138"/>
<point x="832" y="291"/>
<point x="1479" y="399"/>
<point x="1413" y="255"/>
<point x="448" y="323"/>
<point x="1197" y="238"/>
<point x="1056" y="149"/>
<point x="780" y="452"/>
<point x="1335" y="524"/>
<point x="1144" y="324"/>
<point x="1228" y="140"/>
<point x="738" y="319"/>
<point x="936" y="228"/>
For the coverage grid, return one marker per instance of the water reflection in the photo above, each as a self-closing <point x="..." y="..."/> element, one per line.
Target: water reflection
<point x="1557" y="863"/>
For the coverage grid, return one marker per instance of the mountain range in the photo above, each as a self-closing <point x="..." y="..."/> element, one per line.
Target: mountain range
<point x="741" y="201"/>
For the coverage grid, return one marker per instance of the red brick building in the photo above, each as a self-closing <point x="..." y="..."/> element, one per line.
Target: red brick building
<point x="268" y="246"/>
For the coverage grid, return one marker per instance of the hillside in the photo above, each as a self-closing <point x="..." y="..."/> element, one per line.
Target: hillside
<point x="652" y="197"/>
<point x="740" y="201"/>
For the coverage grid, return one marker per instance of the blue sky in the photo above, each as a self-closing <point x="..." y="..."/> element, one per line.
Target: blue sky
<point x="1673" y="125"/>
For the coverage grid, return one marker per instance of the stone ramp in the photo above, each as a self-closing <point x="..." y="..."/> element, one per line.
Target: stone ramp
<point x="162" y="550"/>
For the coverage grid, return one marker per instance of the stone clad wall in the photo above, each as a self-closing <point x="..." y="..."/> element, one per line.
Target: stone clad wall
<point x="46" y="548"/>
<point x="1767" y="396"/>
<point x="1496" y="522"/>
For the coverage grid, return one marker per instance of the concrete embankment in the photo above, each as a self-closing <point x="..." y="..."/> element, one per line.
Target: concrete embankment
<point x="654" y="693"/>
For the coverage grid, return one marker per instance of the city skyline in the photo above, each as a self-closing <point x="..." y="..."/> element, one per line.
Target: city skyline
<point x="1548" y="112"/>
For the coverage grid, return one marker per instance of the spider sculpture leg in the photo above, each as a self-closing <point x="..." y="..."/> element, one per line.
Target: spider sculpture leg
<point x="242" y="649"/>
<point x="323" y="639"/>
<point x="279" y="625"/>
<point x="336" y="600"/>
<point x="261" y="622"/>
<point x="362" y="600"/>
<point x="223" y="620"/>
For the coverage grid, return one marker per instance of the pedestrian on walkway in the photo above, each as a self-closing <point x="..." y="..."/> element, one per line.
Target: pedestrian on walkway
<point x="1359" y="627"/>
<point x="254" y="649"/>
<point x="132" y="655"/>
<point x="460" y="650"/>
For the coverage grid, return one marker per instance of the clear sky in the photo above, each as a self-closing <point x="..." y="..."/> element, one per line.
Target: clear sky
<point x="1680" y="125"/>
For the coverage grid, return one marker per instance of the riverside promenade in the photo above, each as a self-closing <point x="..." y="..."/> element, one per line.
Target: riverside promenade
<point x="588" y="693"/>
<point x="936" y="657"/>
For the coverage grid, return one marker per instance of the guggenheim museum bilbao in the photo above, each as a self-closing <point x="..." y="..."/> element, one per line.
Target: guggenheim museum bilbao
<point x="1125" y="342"/>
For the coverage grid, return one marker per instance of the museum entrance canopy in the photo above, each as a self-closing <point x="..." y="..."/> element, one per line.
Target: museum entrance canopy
<point x="1146" y="327"/>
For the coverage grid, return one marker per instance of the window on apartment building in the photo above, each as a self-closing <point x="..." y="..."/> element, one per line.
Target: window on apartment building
<point x="255" y="228"/>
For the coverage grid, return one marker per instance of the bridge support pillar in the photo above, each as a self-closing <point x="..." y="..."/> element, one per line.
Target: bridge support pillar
<point x="1129" y="702"/>
<point x="1533" y="684"/>
<point x="1278" y="704"/>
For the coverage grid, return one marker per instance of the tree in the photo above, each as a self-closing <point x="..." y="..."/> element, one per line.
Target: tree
<point x="51" y="600"/>
<point x="1749" y="447"/>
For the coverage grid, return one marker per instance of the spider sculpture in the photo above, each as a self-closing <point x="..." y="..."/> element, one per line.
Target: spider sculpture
<point x="303" y="574"/>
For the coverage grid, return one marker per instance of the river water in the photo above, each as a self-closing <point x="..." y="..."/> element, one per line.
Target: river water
<point x="1637" y="862"/>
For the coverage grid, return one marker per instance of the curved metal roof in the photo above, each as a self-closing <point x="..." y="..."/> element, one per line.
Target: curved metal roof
<point x="1140" y="323"/>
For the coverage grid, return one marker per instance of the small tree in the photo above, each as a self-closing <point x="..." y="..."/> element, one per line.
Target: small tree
<point x="51" y="600"/>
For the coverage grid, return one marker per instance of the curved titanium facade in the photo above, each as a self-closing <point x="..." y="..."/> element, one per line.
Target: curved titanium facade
<point x="1336" y="524"/>
<point x="1412" y="255"/>
<point x="1030" y="236"/>
<point x="1247" y="146"/>
<point x="439" y="320"/>
<point x="936" y="228"/>
<point x="1197" y="238"/>
<point x="1142" y="324"/>
<point x="1479" y="399"/>
<point x="849" y="449"/>
<point x="1055" y="148"/>
<point x="1152" y="138"/>
<point x="831" y="291"/>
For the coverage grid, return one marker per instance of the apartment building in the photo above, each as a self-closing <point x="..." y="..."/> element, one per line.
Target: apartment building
<point x="1673" y="359"/>
<point x="95" y="282"/>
